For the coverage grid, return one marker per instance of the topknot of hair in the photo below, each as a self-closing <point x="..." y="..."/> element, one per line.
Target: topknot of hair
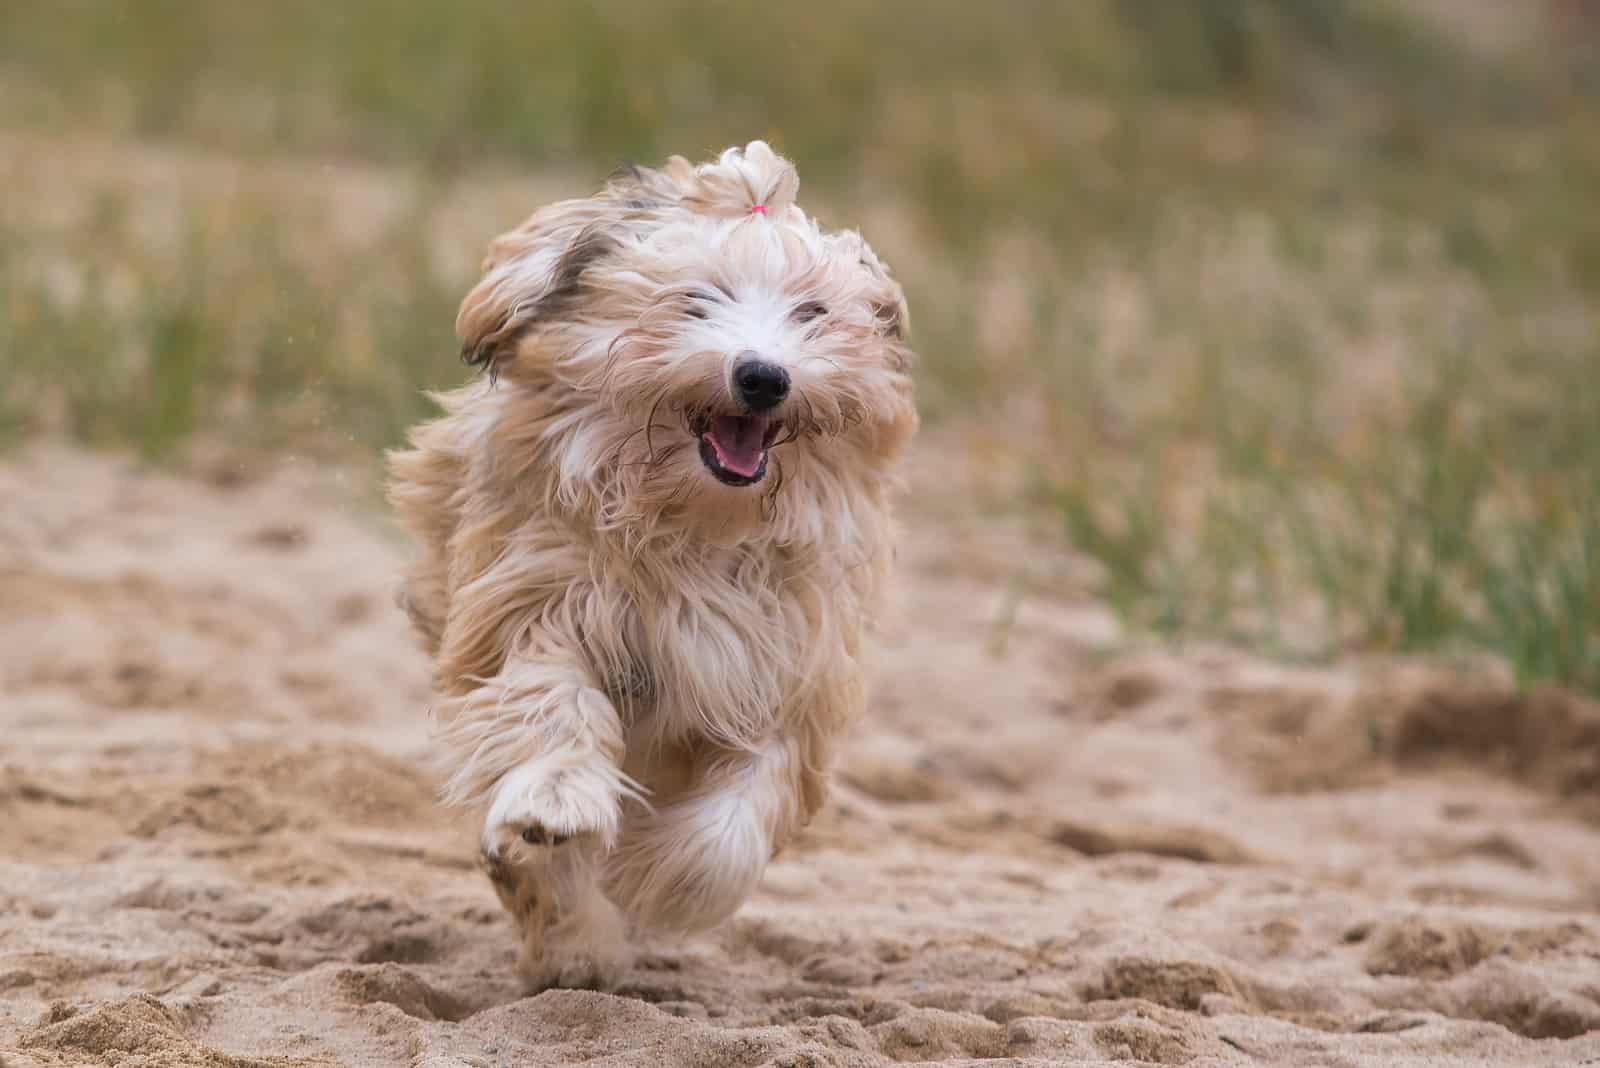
<point x="742" y="181"/>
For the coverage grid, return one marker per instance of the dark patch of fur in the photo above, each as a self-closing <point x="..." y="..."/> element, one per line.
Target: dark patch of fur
<point x="561" y="296"/>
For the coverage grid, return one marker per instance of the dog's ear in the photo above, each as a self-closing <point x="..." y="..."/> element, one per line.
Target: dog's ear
<point x="893" y="323"/>
<point x="889" y="307"/>
<point x="533" y="274"/>
<point x="894" y="318"/>
<point x="536" y="272"/>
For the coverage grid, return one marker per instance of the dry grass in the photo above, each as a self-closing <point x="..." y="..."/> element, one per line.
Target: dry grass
<point x="1285" y="312"/>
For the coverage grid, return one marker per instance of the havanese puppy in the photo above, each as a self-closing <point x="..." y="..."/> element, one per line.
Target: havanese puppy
<point x="652" y="535"/>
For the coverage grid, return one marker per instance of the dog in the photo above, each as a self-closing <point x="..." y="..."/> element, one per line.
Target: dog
<point x="653" y="533"/>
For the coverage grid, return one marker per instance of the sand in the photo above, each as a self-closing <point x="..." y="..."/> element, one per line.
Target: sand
<point x="218" y="843"/>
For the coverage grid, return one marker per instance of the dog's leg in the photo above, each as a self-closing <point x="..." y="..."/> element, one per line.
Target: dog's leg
<point x="571" y="936"/>
<point x="542" y="745"/>
<point x="539" y="746"/>
<point x="690" y="863"/>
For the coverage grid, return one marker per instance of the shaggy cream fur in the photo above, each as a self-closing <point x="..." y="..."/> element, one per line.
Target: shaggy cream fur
<point x="644" y="654"/>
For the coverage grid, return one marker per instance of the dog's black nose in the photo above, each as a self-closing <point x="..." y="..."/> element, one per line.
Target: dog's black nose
<point x="761" y="385"/>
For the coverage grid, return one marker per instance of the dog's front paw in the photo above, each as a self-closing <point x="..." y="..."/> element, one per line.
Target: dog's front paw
<point x="574" y="971"/>
<point x="541" y="804"/>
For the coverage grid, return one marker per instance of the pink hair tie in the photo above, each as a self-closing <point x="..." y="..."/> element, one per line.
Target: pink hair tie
<point x="758" y="209"/>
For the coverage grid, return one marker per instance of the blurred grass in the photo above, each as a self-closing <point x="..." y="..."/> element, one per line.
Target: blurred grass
<point x="1288" y="310"/>
<point x="266" y="334"/>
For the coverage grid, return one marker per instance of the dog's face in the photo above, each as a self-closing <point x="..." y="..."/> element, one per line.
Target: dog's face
<point x="702" y="353"/>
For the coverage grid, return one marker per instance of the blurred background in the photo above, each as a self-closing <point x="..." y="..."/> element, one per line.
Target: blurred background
<point x="1279" y="321"/>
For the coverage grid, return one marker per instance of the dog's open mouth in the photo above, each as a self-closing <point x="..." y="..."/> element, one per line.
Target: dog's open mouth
<point x="734" y="447"/>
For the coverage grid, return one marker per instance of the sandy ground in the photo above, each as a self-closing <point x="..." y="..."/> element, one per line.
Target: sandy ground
<point x="217" y="846"/>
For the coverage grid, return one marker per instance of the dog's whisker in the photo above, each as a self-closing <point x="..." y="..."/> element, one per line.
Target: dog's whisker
<point x="649" y="425"/>
<point x="769" y="500"/>
<point x="825" y="359"/>
<point x="616" y="454"/>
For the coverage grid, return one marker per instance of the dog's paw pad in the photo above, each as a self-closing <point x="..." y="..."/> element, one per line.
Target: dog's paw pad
<point x="536" y="835"/>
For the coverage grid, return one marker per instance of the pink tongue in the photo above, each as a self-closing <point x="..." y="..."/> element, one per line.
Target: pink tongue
<point x="738" y="441"/>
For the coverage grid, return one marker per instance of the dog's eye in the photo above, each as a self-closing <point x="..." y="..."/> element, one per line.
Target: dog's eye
<point x="698" y="302"/>
<point x="809" y="311"/>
